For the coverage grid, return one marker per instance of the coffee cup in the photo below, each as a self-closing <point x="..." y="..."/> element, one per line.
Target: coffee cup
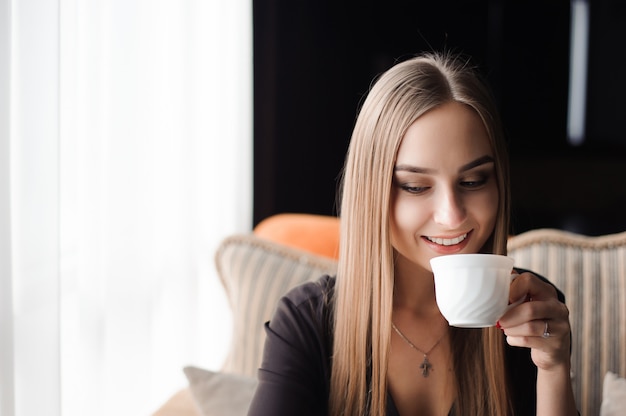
<point x="472" y="290"/>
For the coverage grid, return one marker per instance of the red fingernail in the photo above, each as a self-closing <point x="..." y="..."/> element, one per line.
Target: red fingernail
<point x="498" y="325"/>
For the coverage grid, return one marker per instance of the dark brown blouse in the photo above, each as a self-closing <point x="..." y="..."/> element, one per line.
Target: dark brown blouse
<point x="294" y="378"/>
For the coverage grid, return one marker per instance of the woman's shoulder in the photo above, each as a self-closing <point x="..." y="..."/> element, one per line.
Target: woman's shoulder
<point x="315" y="291"/>
<point x="308" y="305"/>
<point x="304" y="317"/>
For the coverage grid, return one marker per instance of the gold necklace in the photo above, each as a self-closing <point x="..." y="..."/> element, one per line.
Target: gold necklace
<point x="426" y="366"/>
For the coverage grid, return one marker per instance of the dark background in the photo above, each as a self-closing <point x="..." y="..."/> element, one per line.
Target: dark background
<point x="315" y="59"/>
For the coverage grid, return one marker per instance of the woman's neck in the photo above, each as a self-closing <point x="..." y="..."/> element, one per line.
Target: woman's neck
<point x="414" y="289"/>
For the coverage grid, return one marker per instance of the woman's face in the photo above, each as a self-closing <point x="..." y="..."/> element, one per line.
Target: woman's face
<point x="444" y="196"/>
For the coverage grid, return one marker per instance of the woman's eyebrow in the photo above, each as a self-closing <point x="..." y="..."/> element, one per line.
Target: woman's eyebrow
<point x="475" y="163"/>
<point x="413" y="169"/>
<point x="471" y="165"/>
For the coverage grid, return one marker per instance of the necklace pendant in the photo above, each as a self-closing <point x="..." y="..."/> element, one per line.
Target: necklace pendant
<point x="426" y="366"/>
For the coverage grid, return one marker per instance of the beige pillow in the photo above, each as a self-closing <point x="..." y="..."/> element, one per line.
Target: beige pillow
<point x="220" y="394"/>
<point x="181" y="403"/>
<point x="613" y="395"/>
<point x="255" y="274"/>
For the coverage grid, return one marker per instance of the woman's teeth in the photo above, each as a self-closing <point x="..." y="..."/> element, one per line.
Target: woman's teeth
<point x="448" y="241"/>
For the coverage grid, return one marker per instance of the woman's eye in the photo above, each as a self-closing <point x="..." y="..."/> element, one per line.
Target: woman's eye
<point x="475" y="183"/>
<point x="414" y="189"/>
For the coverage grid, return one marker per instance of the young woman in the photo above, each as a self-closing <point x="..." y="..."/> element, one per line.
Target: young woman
<point x="426" y="174"/>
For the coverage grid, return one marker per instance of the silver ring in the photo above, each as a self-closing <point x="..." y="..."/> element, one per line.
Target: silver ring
<point x="546" y="332"/>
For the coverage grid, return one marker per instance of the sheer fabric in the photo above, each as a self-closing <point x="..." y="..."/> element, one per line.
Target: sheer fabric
<point x="125" y="158"/>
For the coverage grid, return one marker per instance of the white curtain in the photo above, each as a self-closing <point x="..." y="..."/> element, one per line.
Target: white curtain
<point x="126" y="156"/>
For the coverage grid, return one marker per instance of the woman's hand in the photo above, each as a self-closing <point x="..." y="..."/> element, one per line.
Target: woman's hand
<point x="541" y="323"/>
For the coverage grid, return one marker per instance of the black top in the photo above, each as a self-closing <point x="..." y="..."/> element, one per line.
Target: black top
<point x="294" y="378"/>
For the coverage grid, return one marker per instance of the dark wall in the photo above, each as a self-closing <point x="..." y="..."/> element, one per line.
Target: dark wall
<point x="315" y="59"/>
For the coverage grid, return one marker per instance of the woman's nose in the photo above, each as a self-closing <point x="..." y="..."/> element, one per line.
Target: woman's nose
<point x="449" y="209"/>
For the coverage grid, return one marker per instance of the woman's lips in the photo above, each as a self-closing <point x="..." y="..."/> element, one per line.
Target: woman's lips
<point x="448" y="245"/>
<point x="447" y="241"/>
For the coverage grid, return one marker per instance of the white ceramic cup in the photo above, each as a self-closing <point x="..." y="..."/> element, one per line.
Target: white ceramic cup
<point x="472" y="290"/>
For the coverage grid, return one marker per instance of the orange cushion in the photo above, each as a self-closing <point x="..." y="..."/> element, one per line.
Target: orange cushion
<point x="318" y="234"/>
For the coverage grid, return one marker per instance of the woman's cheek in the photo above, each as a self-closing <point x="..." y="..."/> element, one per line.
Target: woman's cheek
<point x="406" y="213"/>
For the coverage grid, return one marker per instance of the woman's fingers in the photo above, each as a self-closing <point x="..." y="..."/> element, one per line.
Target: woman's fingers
<point x="540" y="323"/>
<point x="528" y="285"/>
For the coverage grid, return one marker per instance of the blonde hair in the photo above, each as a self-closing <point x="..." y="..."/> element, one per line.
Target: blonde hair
<point x="365" y="277"/>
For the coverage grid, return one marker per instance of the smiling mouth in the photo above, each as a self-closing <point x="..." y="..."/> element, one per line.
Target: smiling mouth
<point x="447" y="241"/>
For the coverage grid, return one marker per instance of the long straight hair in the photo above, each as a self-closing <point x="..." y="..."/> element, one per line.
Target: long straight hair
<point x="365" y="276"/>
